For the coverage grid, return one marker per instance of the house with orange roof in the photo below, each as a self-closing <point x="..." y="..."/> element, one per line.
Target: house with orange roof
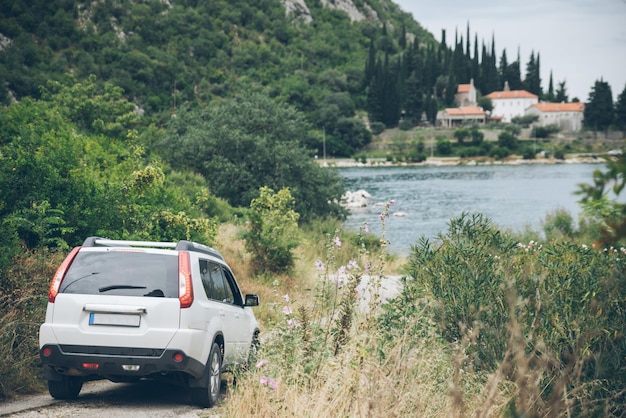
<point x="458" y="116"/>
<point x="567" y="116"/>
<point x="508" y="104"/>
<point x="465" y="94"/>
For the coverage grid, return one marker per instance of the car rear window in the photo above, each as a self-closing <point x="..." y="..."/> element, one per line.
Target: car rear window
<point x="122" y="273"/>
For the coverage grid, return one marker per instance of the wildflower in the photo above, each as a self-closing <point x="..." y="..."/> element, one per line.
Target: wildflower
<point x="341" y="270"/>
<point x="352" y="264"/>
<point x="339" y="280"/>
<point x="319" y="265"/>
<point x="392" y="201"/>
<point x="292" y="323"/>
<point x="287" y="310"/>
<point x="268" y="381"/>
<point x="337" y="242"/>
<point x="261" y="363"/>
<point x="366" y="228"/>
<point x="287" y="298"/>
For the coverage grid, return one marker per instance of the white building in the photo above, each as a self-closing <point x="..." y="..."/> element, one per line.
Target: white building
<point x="508" y="104"/>
<point x="567" y="116"/>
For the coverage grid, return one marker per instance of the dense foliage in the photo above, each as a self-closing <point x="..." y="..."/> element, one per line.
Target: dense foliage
<point x="551" y="317"/>
<point x="249" y="142"/>
<point x="165" y="55"/>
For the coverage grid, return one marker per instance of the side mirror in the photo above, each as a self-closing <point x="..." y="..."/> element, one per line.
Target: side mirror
<point x="252" y="300"/>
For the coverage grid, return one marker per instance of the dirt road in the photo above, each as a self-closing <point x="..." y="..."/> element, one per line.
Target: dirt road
<point x="111" y="400"/>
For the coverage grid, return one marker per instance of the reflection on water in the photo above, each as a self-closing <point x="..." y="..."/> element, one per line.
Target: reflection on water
<point x="512" y="196"/>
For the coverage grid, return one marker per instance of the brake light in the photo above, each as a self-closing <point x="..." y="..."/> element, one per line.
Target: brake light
<point x="60" y="274"/>
<point x="91" y="366"/>
<point x="185" y="289"/>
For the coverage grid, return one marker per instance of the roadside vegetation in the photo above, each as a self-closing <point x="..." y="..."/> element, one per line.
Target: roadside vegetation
<point x="485" y="323"/>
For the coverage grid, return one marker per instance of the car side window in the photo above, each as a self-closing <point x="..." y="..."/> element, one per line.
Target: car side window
<point x="232" y="284"/>
<point x="206" y="279"/>
<point x="217" y="283"/>
<point x="217" y="279"/>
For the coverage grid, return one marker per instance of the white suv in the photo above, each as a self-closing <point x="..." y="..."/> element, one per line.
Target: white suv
<point x="130" y="310"/>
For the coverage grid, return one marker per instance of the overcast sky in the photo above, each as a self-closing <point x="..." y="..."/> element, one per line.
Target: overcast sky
<point x="580" y="41"/>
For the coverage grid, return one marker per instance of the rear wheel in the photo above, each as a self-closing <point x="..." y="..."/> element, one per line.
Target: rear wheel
<point x="67" y="388"/>
<point x="208" y="396"/>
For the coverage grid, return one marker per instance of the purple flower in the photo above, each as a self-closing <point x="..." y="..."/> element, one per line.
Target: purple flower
<point x="268" y="381"/>
<point x="337" y="242"/>
<point x="339" y="280"/>
<point x="319" y="265"/>
<point x="366" y="228"/>
<point x="352" y="264"/>
<point x="261" y="363"/>
<point x="287" y="299"/>
<point x="287" y="310"/>
<point x="392" y="201"/>
<point x="292" y="323"/>
<point x="342" y="270"/>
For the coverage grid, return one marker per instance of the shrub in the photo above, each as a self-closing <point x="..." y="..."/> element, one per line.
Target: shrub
<point x="272" y="233"/>
<point x="405" y="125"/>
<point x="377" y="127"/>
<point x="548" y="317"/>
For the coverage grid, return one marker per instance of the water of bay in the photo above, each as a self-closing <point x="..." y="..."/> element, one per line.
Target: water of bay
<point x="426" y="198"/>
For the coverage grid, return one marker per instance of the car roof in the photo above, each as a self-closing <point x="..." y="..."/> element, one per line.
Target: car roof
<point x="182" y="245"/>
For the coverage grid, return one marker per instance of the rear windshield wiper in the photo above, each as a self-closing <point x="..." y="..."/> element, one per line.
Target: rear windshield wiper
<point x="120" y="286"/>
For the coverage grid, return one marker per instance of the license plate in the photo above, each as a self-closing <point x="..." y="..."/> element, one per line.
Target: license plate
<point x="119" y="320"/>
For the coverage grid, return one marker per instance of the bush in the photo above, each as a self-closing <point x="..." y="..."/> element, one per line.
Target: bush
<point x="272" y="233"/>
<point x="444" y="147"/>
<point x="406" y="125"/>
<point x="528" y="153"/>
<point x="377" y="127"/>
<point x="550" y="317"/>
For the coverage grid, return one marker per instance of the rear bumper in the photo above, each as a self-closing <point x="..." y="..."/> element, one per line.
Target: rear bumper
<point x="90" y="361"/>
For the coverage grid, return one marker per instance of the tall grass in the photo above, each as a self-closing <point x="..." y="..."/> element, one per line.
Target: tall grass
<point x="483" y="325"/>
<point x="23" y="299"/>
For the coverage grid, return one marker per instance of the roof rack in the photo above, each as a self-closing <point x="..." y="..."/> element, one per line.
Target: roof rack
<point x="182" y="245"/>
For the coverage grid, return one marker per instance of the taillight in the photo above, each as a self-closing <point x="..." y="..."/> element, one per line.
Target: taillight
<point x="60" y="274"/>
<point x="185" y="289"/>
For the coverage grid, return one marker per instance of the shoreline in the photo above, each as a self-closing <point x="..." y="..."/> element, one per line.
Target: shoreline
<point x="456" y="161"/>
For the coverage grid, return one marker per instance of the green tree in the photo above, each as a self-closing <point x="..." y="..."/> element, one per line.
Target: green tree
<point x="561" y="93"/>
<point x="248" y="142"/>
<point x="601" y="201"/>
<point x="485" y="103"/>
<point x="477" y="136"/>
<point x="461" y="134"/>
<point x="273" y="231"/>
<point x="599" y="112"/>
<point x="507" y="140"/>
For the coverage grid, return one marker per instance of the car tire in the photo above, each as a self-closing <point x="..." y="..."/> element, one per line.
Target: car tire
<point x="207" y="396"/>
<point x="67" y="388"/>
<point x="254" y="350"/>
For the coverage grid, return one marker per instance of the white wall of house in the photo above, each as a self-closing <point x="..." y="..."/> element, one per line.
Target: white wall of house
<point x="510" y="108"/>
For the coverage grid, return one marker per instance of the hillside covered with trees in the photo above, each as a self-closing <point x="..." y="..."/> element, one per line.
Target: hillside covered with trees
<point x="333" y="66"/>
